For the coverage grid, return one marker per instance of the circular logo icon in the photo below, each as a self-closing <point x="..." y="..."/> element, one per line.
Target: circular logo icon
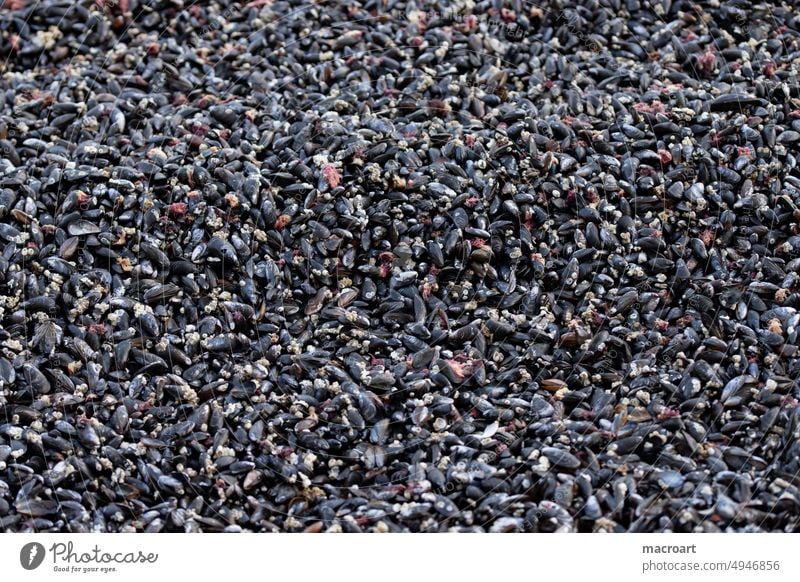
<point x="31" y="555"/>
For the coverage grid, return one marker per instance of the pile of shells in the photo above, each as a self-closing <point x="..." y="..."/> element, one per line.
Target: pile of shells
<point x="399" y="266"/>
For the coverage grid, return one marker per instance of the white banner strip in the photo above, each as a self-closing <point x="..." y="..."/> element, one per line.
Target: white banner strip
<point x="401" y="557"/>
